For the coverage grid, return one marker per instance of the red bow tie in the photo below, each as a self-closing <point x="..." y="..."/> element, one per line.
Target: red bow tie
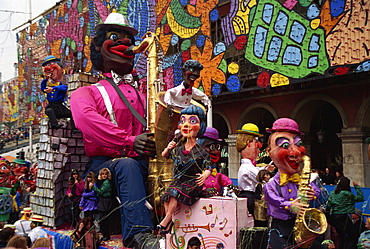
<point x="188" y="91"/>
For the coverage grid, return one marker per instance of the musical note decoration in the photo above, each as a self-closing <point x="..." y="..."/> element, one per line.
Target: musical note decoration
<point x="210" y="211"/>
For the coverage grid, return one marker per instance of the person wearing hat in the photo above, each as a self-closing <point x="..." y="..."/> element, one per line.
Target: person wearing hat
<point x="56" y="91"/>
<point x="23" y="225"/>
<point x="210" y="141"/>
<point x="117" y="133"/>
<point x="181" y="95"/>
<point x="248" y="145"/>
<point x="36" y="229"/>
<point x="285" y="149"/>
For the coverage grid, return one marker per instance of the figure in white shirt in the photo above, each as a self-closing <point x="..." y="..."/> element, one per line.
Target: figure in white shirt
<point x="37" y="231"/>
<point x="181" y="95"/>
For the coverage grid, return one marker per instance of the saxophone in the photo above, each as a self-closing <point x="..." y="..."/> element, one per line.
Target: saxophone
<point x="313" y="222"/>
<point x="159" y="122"/>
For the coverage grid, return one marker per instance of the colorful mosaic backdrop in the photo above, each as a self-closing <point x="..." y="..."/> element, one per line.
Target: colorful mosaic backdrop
<point x="284" y="41"/>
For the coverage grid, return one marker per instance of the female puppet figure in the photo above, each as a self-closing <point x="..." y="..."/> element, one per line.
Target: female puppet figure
<point x="106" y="201"/>
<point x="74" y="192"/>
<point x="189" y="161"/>
<point x="89" y="200"/>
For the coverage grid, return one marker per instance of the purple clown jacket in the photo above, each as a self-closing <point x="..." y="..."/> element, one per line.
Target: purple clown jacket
<point x="89" y="200"/>
<point x="279" y="202"/>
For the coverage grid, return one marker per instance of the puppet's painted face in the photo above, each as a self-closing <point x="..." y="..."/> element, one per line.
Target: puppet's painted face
<point x="214" y="150"/>
<point x="286" y="150"/>
<point x="4" y="172"/>
<point x="191" y="74"/>
<point x="19" y="170"/>
<point x="115" y="54"/>
<point x="189" y="125"/>
<point x="252" y="149"/>
<point x="53" y="70"/>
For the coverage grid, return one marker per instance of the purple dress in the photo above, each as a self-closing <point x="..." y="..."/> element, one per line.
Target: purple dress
<point x="89" y="200"/>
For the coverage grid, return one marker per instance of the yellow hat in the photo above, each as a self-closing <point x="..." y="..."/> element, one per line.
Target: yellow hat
<point x="251" y="129"/>
<point x="37" y="218"/>
<point x="26" y="210"/>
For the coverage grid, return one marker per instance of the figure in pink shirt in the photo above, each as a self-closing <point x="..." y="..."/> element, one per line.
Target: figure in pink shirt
<point x="113" y="136"/>
<point x="210" y="141"/>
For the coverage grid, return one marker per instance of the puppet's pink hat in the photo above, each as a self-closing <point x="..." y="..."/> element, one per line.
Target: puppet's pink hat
<point x="285" y="124"/>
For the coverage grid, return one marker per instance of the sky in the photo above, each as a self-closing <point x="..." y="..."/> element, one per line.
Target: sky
<point x="12" y="14"/>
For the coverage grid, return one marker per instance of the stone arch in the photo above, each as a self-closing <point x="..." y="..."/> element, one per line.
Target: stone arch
<point x="245" y="117"/>
<point x="218" y="113"/>
<point x="303" y="112"/>
<point x="363" y="115"/>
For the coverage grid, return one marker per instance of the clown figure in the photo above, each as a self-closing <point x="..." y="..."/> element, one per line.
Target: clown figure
<point x="23" y="225"/>
<point x="281" y="192"/>
<point x="190" y="159"/>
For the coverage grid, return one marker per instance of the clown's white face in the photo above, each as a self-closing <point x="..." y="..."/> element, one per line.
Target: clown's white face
<point x="286" y="150"/>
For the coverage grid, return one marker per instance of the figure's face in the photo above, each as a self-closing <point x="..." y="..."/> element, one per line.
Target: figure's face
<point x="114" y="52"/>
<point x="189" y="125"/>
<point x="104" y="175"/>
<point x="4" y="172"/>
<point x="266" y="177"/>
<point x="214" y="150"/>
<point x="191" y="74"/>
<point x="327" y="171"/>
<point x="252" y="149"/>
<point x="286" y="150"/>
<point x="53" y="70"/>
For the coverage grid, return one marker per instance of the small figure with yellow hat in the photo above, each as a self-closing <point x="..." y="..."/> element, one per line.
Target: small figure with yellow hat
<point x="36" y="229"/>
<point x="23" y="225"/>
<point x="248" y="145"/>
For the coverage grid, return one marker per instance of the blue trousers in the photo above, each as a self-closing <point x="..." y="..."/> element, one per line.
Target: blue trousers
<point x="129" y="177"/>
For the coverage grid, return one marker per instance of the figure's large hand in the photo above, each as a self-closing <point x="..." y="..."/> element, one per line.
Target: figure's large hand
<point x="298" y="207"/>
<point x="170" y="110"/>
<point x="48" y="89"/>
<point x="144" y="145"/>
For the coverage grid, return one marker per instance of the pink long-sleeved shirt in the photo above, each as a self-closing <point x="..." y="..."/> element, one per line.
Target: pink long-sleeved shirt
<point x="101" y="136"/>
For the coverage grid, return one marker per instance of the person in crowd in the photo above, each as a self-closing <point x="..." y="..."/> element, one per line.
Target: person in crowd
<point x="286" y="150"/>
<point x="36" y="229"/>
<point x="248" y="145"/>
<point x="341" y="204"/>
<point x="23" y="224"/>
<point x="211" y="142"/>
<point x="18" y="242"/>
<point x="193" y="243"/>
<point x="74" y="192"/>
<point x="106" y="201"/>
<point x="181" y="95"/>
<point x="5" y="235"/>
<point x="358" y="226"/>
<point x="109" y="137"/>
<point x="190" y="159"/>
<point x="56" y="91"/>
<point x="260" y="205"/>
<point x="338" y="174"/>
<point x="85" y="235"/>
<point x="327" y="177"/>
<point x="41" y="243"/>
<point x="364" y="238"/>
<point x="89" y="200"/>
